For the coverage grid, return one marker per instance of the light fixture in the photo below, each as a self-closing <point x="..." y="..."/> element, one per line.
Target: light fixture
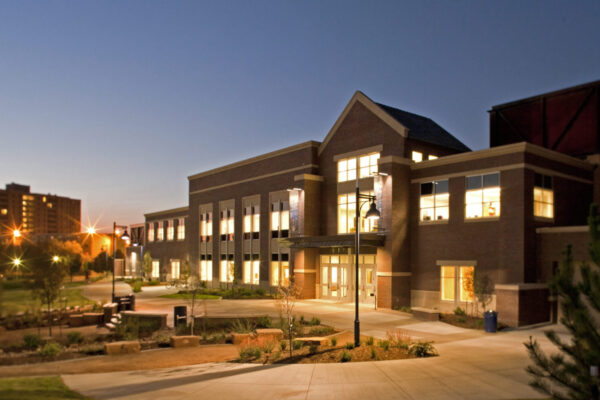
<point x="55" y="258"/>
<point x="16" y="233"/>
<point x="125" y="236"/>
<point x="16" y="262"/>
<point x="292" y="189"/>
<point x="373" y="213"/>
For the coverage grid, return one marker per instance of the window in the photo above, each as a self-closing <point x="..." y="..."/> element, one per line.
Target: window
<point x="181" y="229"/>
<point x="435" y="201"/>
<point x="206" y="227"/>
<point x="251" y="223"/>
<point x="4" y="211"/>
<point x="251" y="270"/>
<point x="151" y="232"/>
<point x="482" y="198"/>
<point x="432" y="157"/>
<point x="206" y="268"/>
<point x="280" y="219"/>
<point x="457" y="283"/>
<point x="543" y="196"/>
<point x="160" y="234"/>
<point x="227" y="270"/>
<point x="280" y="270"/>
<point x="366" y="164"/>
<point x="170" y="229"/>
<point x="417" y="156"/>
<point x="227" y="225"/>
<point x="155" y="269"/>
<point x="175" y="269"/>
<point x="347" y="214"/>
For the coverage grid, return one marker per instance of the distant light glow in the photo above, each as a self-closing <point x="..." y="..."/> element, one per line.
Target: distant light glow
<point x="91" y="230"/>
<point x="17" y="262"/>
<point x="55" y="258"/>
<point x="16" y="233"/>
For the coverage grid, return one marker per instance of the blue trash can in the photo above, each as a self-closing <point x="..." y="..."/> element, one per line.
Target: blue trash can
<point x="490" y="321"/>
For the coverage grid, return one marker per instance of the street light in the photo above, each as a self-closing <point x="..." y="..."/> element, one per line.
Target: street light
<point x="55" y="259"/>
<point x="372" y="214"/>
<point x="124" y="236"/>
<point x="16" y="233"/>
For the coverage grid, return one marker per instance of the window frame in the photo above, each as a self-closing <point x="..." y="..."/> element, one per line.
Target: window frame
<point x="546" y="186"/>
<point x="481" y="186"/>
<point x="363" y="166"/>
<point x="436" y="194"/>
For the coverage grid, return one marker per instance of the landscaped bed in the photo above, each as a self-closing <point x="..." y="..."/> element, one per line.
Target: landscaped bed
<point x="46" y="387"/>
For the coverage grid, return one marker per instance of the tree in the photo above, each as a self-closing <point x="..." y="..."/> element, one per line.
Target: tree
<point x="102" y="262"/>
<point x="70" y="253"/>
<point x="147" y="265"/>
<point x="194" y="287"/>
<point x="483" y="289"/>
<point x="286" y="301"/>
<point x="568" y="374"/>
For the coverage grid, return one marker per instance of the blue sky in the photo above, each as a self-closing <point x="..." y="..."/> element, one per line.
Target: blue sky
<point x="117" y="102"/>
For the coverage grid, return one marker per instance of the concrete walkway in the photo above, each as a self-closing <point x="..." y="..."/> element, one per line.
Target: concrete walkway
<point x="488" y="367"/>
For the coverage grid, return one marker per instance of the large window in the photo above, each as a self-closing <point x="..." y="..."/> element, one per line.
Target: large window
<point x="160" y="232"/>
<point x="155" y="269"/>
<point x="181" y="229"/>
<point x="227" y="225"/>
<point x="543" y="196"/>
<point x="482" y="197"/>
<point x="206" y="227"/>
<point x="251" y="269"/>
<point x="227" y="270"/>
<point x="347" y="214"/>
<point x="280" y="270"/>
<point x="206" y="267"/>
<point x="151" y="232"/>
<point x="365" y="164"/>
<point x="280" y="219"/>
<point x="457" y="283"/>
<point x="170" y="229"/>
<point x="417" y="156"/>
<point x="435" y="201"/>
<point x="175" y="269"/>
<point x="251" y="222"/>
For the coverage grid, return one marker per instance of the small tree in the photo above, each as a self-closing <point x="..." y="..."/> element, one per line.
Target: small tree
<point x="286" y="301"/>
<point x="194" y="288"/>
<point x="568" y="374"/>
<point x="483" y="289"/>
<point x="147" y="265"/>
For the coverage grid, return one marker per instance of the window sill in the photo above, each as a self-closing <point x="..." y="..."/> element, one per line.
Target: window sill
<point x="434" y="222"/>
<point x="482" y="219"/>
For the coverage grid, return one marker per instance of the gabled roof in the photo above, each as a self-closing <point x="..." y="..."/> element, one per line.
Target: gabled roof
<point x="424" y="129"/>
<point x="404" y="123"/>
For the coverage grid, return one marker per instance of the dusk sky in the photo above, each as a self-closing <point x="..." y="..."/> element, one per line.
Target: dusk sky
<point x="117" y="102"/>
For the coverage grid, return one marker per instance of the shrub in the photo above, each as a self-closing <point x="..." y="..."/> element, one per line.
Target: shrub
<point x="50" y="349"/>
<point x="243" y="326"/>
<point x="137" y="286"/>
<point x="321" y="331"/>
<point x="346" y="357"/>
<point x="302" y="320"/>
<point x="92" y="349"/>
<point x="461" y="320"/>
<point x="384" y="344"/>
<point x="373" y="354"/>
<point x="459" y="311"/>
<point x="276" y="356"/>
<point x="268" y="346"/>
<point x="333" y="342"/>
<point x="398" y="338"/>
<point x="297" y="344"/>
<point x="264" y="322"/>
<point x="283" y="345"/>
<point x="32" y="341"/>
<point x="349" y="346"/>
<point x="370" y="341"/>
<point x="315" y="321"/>
<point x="163" y="339"/>
<point x="74" y="337"/>
<point x="250" y="352"/>
<point x="406" y="309"/>
<point x="313" y="348"/>
<point x="422" y="349"/>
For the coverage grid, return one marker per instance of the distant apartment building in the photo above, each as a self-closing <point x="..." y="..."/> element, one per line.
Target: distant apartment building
<point x="446" y="211"/>
<point x="37" y="213"/>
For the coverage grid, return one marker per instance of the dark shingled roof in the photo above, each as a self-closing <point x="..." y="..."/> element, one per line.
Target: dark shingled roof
<point x="424" y="129"/>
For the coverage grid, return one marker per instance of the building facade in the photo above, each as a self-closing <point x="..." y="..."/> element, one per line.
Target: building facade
<point x="37" y="213"/>
<point x="446" y="213"/>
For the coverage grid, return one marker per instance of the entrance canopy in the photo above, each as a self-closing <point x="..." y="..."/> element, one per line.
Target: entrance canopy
<point x="303" y="242"/>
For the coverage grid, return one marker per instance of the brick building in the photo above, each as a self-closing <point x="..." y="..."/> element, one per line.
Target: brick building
<point x="37" y="213"/>
<point x="446" y="212"/>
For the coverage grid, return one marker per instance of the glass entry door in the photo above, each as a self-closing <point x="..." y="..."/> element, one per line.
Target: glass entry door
<point x="334" y="277"/>
<point x="366" y="279"/>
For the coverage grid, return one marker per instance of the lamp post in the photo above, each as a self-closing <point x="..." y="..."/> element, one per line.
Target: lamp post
<point x="124" y="236"/>
<point x="372" y="214"/>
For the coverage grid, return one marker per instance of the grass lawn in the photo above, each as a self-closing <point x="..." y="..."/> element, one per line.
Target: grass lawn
<point x="42" y="388"/>
<point x="20" y="300"/>
<point x="188" y="296"/>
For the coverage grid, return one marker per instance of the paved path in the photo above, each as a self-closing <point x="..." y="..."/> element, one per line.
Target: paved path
<point x="488" y="367"/>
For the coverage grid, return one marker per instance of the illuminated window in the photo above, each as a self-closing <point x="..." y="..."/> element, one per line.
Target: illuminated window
<point x="347" y="214"/>
<point x="543" y="196"/>
<point x="417" y="156"/>
<point x="206" y="268"/>
<point x="366" y="164"/>
<point x="274" y="273"/>
<point x="226" y="270"/>
<point x="457" y="280"/>
<point x="175" y="269"/>
<point x="181" y="229"/>
<point x="251" y="222"/>
<point x="227" y="225"/>
<point x="206" y="227"/>
<point x="170" y="229"/>
<point x="155" y="269"/>
<point x="432" y="157"/>
<point x="151" y="232"/>
<point x="4" y="211"/>
<point x="280" y="269"/>
<point x="251" y="270"/>
<point x="280" y="219"/>
<point x="160" y="233"/>
<point x="435" y="201"/>
<point x="482" y="198"/>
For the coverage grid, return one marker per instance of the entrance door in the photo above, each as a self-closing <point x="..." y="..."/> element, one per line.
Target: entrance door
<point x="366" y="279"/>
<point x="334" y="277"/>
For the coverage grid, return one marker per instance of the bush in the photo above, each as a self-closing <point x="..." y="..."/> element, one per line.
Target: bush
<point x="297" y="344"/>
<point x="459" y="311"/>
<point x="370" y="341"/>
<point x="422" y="349"/>
<point x="303" y="321"/>
<point x="313" y="348"/>
<point x="137" y="286"/>
<point x="321" y="331"/>
<point x="268" y="346"/>
<point x="398" y="338"/>
<point x="283" y="345"/>
<point x="333" y="342"/>
<point x="346" y="357"/>
<point x="384" y="344"/>
<point x="314" y="321"/>
<point x="92" y="349"/>
<point x="74" y="337"/>
<point x="264" y="322"/>
<point x="243" y="326"/>
<point x="250" y="352"/>
<point x="373" y="354"/>
<point x="32" y="341"/>
<point x="163" y="339"/>
<point x="349" y="346"/>
<point x="50" y="349"/>
<point x="461" y="320"/>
